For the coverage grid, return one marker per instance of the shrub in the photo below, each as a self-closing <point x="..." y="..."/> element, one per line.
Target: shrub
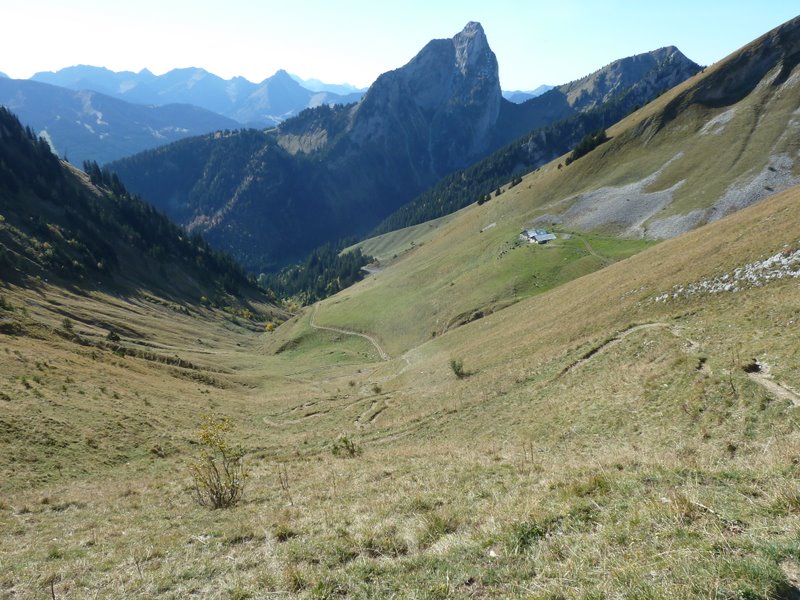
<point x="219" y="474"/>
<point x="344" y="447"/>
<point x="457" y="365"/>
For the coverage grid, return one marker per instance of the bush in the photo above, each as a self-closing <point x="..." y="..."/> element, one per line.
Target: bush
<point x="219" y="474"/>
<point x="344" y="447"/>
<point x="457" y="365"/>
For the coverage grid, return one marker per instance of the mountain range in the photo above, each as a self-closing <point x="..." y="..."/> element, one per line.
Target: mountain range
<point x="518" y="96"/>
<point x="331" y="172"/>
<point x="92" y="113"/>
<point x="86" y="125"/>
<point x="609" y="414"/>
<point x="252" y="104"/>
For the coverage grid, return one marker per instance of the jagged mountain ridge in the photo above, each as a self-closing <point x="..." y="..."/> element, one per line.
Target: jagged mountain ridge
<point x="563" y="116"/>
<point x="337" y="171"/>
<point x="254" y="104"/>
<point x="85" y="125"/>
<point x="640" y="77"/>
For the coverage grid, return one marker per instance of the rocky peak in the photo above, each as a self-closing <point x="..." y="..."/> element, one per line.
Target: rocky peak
<point x="472" y="48"/>
<point x="282" y="76"/>
<point x="447" y="98"/>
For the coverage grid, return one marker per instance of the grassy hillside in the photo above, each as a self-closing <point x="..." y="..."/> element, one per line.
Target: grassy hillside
<point x="605" y="443"/>
<point x="466" y="271"/>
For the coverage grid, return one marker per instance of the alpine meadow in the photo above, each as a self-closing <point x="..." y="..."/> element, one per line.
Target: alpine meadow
<point x="409" y="341"/>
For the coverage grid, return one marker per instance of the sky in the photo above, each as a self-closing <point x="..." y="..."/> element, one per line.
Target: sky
<point x="354" y="41"/>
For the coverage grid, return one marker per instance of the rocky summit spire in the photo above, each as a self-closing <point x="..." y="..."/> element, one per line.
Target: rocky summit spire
<point x="447" y="98"/>
<point x="472" y="49"/>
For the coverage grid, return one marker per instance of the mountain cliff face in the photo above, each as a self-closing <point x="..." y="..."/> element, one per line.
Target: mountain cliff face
<point x="332" y="172"/>
<point x="444" y="102"/>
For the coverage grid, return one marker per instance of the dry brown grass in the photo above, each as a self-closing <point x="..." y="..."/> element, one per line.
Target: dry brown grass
<point x="655" y="467"/>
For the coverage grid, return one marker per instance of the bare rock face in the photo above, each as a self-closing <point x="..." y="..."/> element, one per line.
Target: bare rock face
<point x="439" y="109"/>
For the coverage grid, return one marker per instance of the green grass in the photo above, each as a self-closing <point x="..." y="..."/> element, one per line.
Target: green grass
<point x="390" y="246"/>
<point x="469" y="275"/>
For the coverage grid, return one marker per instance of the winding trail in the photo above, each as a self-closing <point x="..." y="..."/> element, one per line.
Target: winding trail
<point x="762" y="377"/>
<point x="384" y="356"/>
<point x="780" y="391"/>
<point x="616" y="340"/>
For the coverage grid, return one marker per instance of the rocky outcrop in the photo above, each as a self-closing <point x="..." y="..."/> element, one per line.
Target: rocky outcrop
<point x="442" y="105"/>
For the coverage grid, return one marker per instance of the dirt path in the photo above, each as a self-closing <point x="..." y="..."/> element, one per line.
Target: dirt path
<point x="613" y="342"/>
<point x="764" y="379"/>
<point x="369" y="338"/>
<point x="591" y="251"/>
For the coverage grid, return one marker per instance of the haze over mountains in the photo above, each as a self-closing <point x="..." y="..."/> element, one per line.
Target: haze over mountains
<point x="92" y="113"/>
<point x="518" y="96"/>
<point x="252" y="104"/>
<point x="86" y="125"/>
<point x="334" y="172"/>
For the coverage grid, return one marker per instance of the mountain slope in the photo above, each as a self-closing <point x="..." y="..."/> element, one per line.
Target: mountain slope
<point x="333" y="172"/>
<point x="669" y="167"/>
<point x="263" y="104"/>
<point x="57" y="224"/>
<point x="737" y="117"/>
<point x="86" y="125"/>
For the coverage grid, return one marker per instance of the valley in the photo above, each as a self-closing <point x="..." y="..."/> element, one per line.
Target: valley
<point x="600" y="437"/>
<point x="608" y="414"/>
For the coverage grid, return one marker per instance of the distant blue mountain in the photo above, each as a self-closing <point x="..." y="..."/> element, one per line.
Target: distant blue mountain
<point x="315" y="85"/>
<point x="518" y="97"/>
<point x="3" y="75"/>
<point x="87" y="125"/>
<point x="255" y="104"/>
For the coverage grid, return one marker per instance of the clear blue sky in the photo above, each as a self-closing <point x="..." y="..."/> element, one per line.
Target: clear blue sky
<point x="355" y="40"/>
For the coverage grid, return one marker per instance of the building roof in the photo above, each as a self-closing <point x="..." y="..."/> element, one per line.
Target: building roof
<point x="540" y="235"/>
